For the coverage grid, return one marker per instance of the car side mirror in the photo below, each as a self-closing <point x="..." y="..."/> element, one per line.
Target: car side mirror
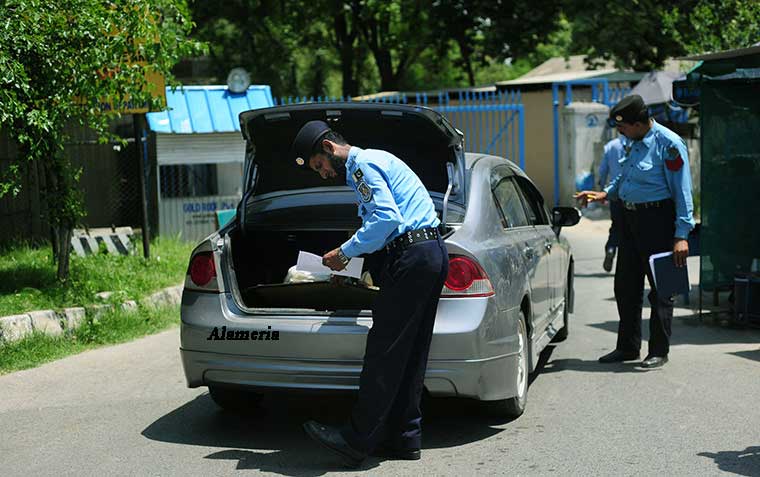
<point x="565" y="216"/>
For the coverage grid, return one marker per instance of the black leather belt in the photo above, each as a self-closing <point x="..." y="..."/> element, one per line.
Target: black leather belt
<point x="646" y="205"/>
<point x="413" y="236"/>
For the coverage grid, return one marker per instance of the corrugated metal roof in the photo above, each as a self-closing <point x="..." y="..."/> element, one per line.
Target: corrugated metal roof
<point x="560" y="64"/>
<point x="207" y="109"/>
<point x="556" y="77"/>
<point x="723" y="55"/>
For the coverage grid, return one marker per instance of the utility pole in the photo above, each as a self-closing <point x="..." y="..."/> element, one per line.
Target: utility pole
<point x="141" y="142"/>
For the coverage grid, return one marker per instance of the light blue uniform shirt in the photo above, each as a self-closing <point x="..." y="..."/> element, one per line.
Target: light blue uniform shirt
<point x="614" y="151"/>
<point x="392" y="200"/>
<point x="657" y="168"/>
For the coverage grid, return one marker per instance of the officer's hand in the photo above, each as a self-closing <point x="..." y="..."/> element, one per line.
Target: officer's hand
<point x="680" y="251"/>
<point x="331" y="260"/>
<point x="587" y="196"/>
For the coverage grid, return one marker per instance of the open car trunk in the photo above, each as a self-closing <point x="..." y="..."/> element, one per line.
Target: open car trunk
<point x="261" y="262"/>
<point x="286" y="209"/>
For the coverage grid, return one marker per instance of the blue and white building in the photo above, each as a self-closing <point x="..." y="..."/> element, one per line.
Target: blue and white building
<point x="199" y="155"/>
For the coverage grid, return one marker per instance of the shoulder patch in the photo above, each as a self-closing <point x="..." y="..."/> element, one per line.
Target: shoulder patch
<point x="358" y="175"/>
<point x="674" y="162"/>
<point x="364" y="191"/>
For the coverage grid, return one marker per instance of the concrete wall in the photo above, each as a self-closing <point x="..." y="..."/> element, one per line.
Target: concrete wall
<point x="539" y="136"/>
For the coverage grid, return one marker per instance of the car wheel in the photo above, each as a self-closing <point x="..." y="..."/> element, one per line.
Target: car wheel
<point x="515" y="406"/>
<point x="563" y="333"/>
<point x="234" y="400"/>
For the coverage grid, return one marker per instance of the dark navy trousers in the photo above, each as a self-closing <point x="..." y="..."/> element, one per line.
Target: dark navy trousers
<point x="616" y="211"/>
<point x="387" y="409"/>
<point x="643" y="233"/>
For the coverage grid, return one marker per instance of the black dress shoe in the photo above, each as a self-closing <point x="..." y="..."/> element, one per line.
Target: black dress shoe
<point x="330" y="438"/>
<point x="397" y="454"/>
<point x="654" y="362"/>
<point x="618" y="356"/>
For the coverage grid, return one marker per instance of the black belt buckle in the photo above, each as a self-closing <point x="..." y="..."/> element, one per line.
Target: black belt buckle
<point x="643" y="205"/>
<point x="412" y="236"/>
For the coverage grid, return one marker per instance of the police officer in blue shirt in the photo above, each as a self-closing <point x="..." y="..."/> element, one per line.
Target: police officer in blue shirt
<point x="399" y="219"/>
<point x="614" y="152"/>
<point x="655" y="187"/>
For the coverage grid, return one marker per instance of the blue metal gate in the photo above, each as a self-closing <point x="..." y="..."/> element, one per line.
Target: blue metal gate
<point x="492" y="122"/>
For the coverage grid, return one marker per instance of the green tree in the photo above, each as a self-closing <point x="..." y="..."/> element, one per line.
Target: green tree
<point x="265" y="37"/>
<point x="396" y="32"/>
<point x="715" y="25"/>
<point x="633" y="35"/>
<point x="491" y="33"/>
<point x="363" y="45"/>
<point x="59" y="63"/>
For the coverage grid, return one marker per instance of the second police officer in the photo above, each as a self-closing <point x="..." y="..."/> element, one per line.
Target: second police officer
<point x="399" y="216"/>
<point x="609" y="168"/>
<point x="655" y="188"/>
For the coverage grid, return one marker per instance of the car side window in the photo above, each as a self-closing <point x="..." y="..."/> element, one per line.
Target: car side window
<point x="508" y="200"/>
<point x="533" y="203"/>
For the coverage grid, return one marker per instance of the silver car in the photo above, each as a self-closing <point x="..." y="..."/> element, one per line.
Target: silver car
<point x="247" y="330"/>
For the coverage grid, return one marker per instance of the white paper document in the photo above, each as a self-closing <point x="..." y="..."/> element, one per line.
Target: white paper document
<point x="308" y="262"/>
<point x="654" y="257"/>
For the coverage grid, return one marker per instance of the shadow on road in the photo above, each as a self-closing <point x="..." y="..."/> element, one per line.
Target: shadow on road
<point x="745" y="462"/>
<point x="270" y="438"/>
<point x="592" y="366"/>
<point x="754" y="355"/>
<point x="690" y="329"/>
<point x="594" y="275"/>
<point x="586" y="366"/>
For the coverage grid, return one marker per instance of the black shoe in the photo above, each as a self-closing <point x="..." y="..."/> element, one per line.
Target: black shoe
<point x="609" y="255"/>
<point x="654" y="362"/>
<point x="618" y="356"/>
<point x="331" y="439"/>
<point x="397" y="454"/>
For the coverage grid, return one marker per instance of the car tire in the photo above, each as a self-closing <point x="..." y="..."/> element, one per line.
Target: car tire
<point x="234" y="400"/>
<point x="563" y="333"/>
<point x="515" y="406"/>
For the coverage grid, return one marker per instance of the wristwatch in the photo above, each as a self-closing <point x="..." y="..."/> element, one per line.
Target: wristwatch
<point x="342" y="257"/>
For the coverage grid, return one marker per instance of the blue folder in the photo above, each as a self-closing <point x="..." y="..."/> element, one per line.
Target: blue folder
<point x="669" y="280"/>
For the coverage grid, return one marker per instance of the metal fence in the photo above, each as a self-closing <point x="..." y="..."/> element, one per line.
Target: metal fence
<point x="109" y="182"/>
<point x="493" y="122"/>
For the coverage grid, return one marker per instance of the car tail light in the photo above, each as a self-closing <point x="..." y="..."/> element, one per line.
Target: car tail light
<point x="202" y="272"/>
<point x="466" y="278"/>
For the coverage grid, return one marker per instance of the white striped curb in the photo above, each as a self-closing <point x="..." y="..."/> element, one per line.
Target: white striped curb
<point x="49" y="322"/>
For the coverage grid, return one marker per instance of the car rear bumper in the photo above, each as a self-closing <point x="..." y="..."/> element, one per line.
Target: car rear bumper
<point x="473" y="351"/>
<point x="484" y="379"/>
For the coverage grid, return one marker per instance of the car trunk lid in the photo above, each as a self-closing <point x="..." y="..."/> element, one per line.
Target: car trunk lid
<point x="419" y="136"/>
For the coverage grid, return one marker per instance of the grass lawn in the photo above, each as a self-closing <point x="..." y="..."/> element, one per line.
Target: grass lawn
<point x="114" y="327"/>
<point x="28" y="282"/>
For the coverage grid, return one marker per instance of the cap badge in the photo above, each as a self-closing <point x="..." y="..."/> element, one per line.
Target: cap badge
<point x="300" y="161"/>
<point x="618" y="118"/>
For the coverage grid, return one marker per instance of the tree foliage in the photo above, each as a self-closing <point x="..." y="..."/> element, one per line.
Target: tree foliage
<point x="63" y="63"/>
<point x="643" y="34"/>
<point x="353" y="47"/>
<point x="632" y="34"/>
<point x="716" y="25"/>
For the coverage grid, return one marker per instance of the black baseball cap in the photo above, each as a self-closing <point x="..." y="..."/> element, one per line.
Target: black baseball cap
<point x="629" y="110"/>
<point x="306" y="138"/>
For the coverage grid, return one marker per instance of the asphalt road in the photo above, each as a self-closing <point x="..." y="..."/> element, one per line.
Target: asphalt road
<point x="125" y="410"/>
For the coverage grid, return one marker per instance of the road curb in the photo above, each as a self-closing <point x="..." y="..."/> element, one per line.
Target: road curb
<point x="52" y="323"/>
